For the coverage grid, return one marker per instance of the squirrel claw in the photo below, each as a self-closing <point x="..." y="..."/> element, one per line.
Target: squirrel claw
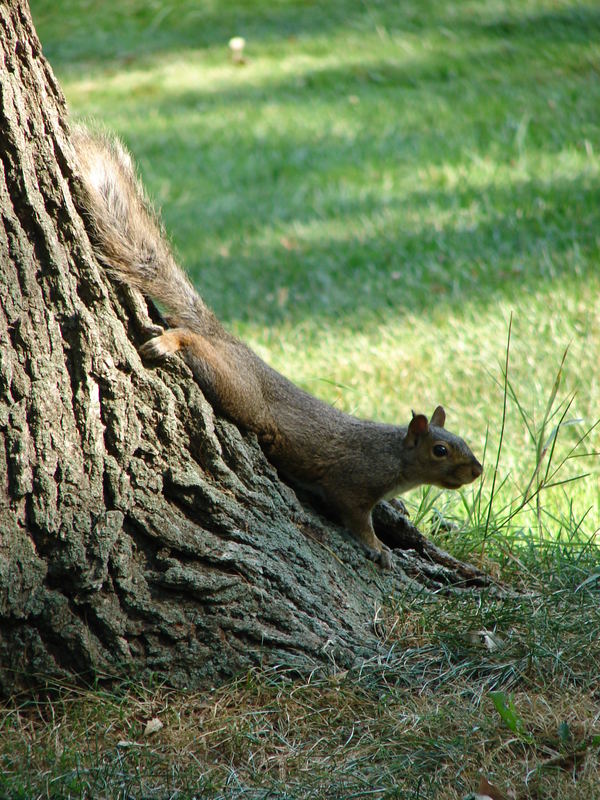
<point x="153" y="330"/>
<point x="383" y="558"/>
<point x="153" y="349"/>
<point x="397" y="504"/>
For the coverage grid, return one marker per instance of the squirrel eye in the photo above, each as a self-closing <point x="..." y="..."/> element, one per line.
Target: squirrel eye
<point x="440" y="450"/>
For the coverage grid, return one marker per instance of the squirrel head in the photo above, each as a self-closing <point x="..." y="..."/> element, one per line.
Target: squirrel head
<point x="439" y="457"/>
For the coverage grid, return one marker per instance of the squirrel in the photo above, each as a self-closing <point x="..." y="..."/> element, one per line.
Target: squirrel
<point x="350" y="463"/>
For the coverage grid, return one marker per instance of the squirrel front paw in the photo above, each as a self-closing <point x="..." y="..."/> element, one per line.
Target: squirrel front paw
<point x="153" y="330"/>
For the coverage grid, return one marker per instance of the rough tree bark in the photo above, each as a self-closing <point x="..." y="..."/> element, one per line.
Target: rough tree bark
<point x="140" y="534"/>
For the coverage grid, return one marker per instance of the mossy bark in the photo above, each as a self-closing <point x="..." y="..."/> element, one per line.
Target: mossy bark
<point x="140" y="534"/>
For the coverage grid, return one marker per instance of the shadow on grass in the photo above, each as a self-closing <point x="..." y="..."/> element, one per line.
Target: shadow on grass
<point x="255" y="195"/>
<point x="245" y="190"/>
<point x="130" y="29"/>
<point x="299" y="217"/>
<point x="573" y="23"/>
<point x="138" y="28"/>
<point x="530" y="235"/>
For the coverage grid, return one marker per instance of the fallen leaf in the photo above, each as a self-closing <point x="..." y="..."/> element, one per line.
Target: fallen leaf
<point x="152" y="726"/>
<point x="489" y="791"/>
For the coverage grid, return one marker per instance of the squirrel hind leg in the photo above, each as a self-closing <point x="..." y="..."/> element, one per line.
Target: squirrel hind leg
<point x="166" y="344"/>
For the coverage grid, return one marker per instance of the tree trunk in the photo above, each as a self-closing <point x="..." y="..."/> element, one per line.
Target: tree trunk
<point x="140" y="534"/>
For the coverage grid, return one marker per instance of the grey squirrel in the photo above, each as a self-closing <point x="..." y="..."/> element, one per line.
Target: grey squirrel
<point x="351" y="463"/>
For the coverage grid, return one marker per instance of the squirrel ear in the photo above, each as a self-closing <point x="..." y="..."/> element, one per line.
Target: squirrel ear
<point x="417" y="427"/>
<point x="438" y="418"/>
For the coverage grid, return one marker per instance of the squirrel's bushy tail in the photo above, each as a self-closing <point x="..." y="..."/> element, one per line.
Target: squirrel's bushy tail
<point x="127" y="234"/>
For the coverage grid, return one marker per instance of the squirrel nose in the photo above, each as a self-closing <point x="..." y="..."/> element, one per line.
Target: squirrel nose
<point x="476" y="469"/>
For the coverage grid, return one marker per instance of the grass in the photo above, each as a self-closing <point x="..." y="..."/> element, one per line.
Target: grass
<point x="370" y="201"/>
<point x="426" y="725"/>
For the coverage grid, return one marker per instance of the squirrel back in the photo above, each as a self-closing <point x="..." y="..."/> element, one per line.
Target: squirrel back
<point x="351" y="463"/>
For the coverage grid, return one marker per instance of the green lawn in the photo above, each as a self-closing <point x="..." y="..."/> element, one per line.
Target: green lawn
<point x="368" y="200"/>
